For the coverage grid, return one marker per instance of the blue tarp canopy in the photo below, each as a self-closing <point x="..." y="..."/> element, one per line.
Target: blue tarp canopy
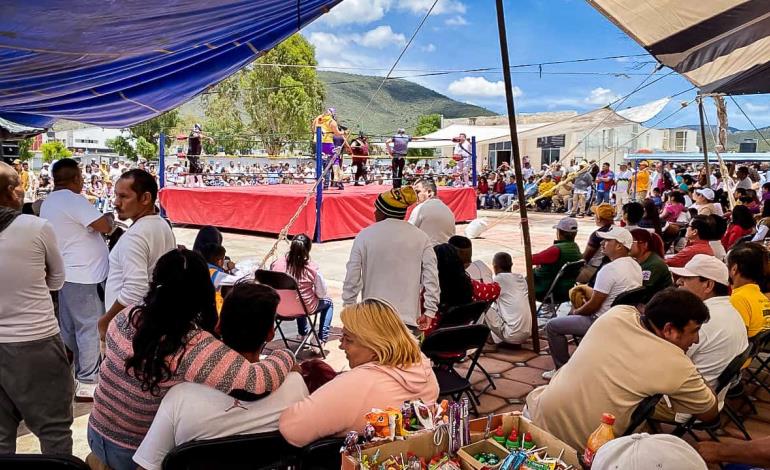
<point x="118" y="63"/>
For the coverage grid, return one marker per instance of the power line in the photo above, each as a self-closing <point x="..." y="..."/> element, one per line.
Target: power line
<point x="749" y="119"/>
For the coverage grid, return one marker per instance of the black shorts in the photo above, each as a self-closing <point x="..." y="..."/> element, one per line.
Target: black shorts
<point x="195" y="165"/>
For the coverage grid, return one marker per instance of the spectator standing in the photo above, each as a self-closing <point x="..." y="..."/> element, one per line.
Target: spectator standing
<point x="605" y="180"/>
<point x="747" y="264"/>
<point x="431" y="215"/>
<point x="397" y="147"/>
<point x="393" y="260"/>
<point x="647" y="251"/>
<point x="580" y="189"/>
<point x="622" y="182"/>
<point x="622" y="274"/>
<point x="79" y="226"/>
<point x="134" y="256"/>
<point x="35" y="379"/>
<point x="641" y="181"/>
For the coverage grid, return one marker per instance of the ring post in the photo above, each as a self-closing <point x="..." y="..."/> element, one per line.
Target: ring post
<point x="162" y="165"/>
<point x="319" y="190"/>
<point x="473" y="160"/>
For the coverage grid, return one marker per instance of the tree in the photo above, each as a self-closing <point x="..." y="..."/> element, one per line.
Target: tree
<point x="223" y="118"/>
<point x="145" y="149"/>
<point x="122" y="146"/>
<point x="151" y="128"/>
<point x="24" y="146"/>
<point x="281" y="102"/>
<point x="54" y="150"/>
<point x="426" y="124"/>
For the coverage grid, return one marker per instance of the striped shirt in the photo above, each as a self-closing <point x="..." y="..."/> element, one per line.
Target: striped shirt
<point x="123" y="413"/>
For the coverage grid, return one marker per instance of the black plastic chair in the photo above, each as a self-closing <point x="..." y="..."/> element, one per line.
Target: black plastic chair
<point x="728" y="376"/>
<point x="448" y="346"/>
<point x="637" y="296"/>
<point x="246" y="452"/>
<point x="643" y="411"/>
<point x="41" y="462"/>
<point x="291" y="307"/>
<point x="323" y="454"/>
<point x="552" y="296"/>
<point x="467" y="314"/>
<point x="760" y="341"/>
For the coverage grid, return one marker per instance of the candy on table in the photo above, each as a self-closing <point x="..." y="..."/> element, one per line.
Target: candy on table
<point x="512" y="443"/>
<point x="487" y="458"/>
<point x="528" y="443"/>
<point x="499" y="436"/>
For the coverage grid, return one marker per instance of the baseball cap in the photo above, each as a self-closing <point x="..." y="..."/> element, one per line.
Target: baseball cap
<point x="644" y="451"/>
<point x="567" y="224"/>
<point x="704" y="266"/>
<point x="708" y="193"/>
<point x="618" y="234"/>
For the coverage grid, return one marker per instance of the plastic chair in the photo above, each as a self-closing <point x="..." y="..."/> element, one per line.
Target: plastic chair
<point x="291" y="306"/>
<point x="633" y="297"/>
<point x="323" y="454"/>
<point x="448" y="346"/>
<point x="249" y="451"/>
<point x="643" y="411"/>
<point x="760" y="341"/>
<point x="728" y="376"/>
<point x="552" y="297"/>
<point x="38" y="462"/>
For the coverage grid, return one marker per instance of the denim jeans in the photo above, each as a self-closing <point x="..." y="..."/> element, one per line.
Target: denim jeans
<point x="557" y="330"/>
<point x="114" y="456"/>
<point x="80" y="306"/>
<point x="326" y="311"/>
<point x="602" y="196"/>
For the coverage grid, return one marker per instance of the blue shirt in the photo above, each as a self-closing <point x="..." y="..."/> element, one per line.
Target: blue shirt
<point x="511" y="189"/>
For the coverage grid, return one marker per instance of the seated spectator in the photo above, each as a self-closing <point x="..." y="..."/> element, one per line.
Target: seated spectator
<point x="723" y="337"/>
<point x="704" y="202"/>
<point x="754" y="453"/>
<point x="215" y="258"/>
<point x="673" y="207"/>
<point x="509" y="316"/>
<point x="593" y="255"/>
<point x="549" y="261"/>
<point x="477" y="270"/>
<point x="386" y="369"/>
<point x="645" y="451"/>
<point x="530" y="187"/>
<point x="626" y="357"/>
<point x="207" y="235"/>
<point x="191" y="411"/>
<point x="698" y="232"/>
<point x="498" y="188"/>
<point x="165" y="341"/>
<point x="648" y="251"/>
<point x="651" y="219"/>
<point x="741" y="225"/>
<point x="457" y="288"/>
<point x="510" y="194"/>
<point x="763" y="223"/>
<point x="656" y="199"/>
<point x="747" y="264"/>
<point x="622" y="274"/>
<point x="632" y="215"/>
<point x="545" y="193"/>
<point x="312" y="286"/>
<point x="563" y="197"/>
<point x="482" y="192"/>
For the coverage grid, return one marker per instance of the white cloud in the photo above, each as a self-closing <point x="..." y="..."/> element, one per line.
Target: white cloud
<point x="357" y="12"/>
<point x="428" y="48"/>
<point x="456" y="21"/>
<point x="756" y="108"/>
<point x="442" y="7"/>
<point x="622" y="59"/>
<point x="379" y="38"/>
<point x="601" y="96"/>
<point x="480" y="86"/>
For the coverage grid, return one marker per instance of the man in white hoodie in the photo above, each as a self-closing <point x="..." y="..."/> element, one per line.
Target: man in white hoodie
<point x="509" y="317"/>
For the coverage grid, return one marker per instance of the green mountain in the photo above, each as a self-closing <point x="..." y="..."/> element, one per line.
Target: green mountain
<point x="398" y="104"/>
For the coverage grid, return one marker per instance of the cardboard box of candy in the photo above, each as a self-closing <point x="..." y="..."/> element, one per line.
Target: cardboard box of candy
<point x="420" y="445"/>
<point x="485" y="453"/>
<point x="540" y="438"/>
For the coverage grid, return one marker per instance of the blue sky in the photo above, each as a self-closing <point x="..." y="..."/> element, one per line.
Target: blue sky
<point x="366" y="36"/>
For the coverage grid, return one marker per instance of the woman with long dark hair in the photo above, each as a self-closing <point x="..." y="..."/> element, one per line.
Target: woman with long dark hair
<point x="457" y="288"/>
<point x="312" y="286"/>
<point x="166" y="340"/>
<point x="651" y="219"/>
<point x="741" y="224"/>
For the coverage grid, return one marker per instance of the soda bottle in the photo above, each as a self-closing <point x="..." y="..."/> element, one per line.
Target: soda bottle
<point x="598" y="438"/>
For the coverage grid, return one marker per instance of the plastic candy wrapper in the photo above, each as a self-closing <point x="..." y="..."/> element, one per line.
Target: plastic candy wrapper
<point x="409" y="461"/>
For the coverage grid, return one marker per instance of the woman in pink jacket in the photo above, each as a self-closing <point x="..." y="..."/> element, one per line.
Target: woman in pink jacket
<point x="386" y="369"/>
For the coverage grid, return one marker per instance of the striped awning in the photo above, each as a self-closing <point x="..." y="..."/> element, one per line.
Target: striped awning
<point x="721" y="46"/>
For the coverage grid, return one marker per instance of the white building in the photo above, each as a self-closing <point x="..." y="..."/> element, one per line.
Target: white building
<point x="86" y="140"/>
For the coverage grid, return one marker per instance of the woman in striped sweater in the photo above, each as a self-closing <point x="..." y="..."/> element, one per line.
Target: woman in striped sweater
<point x="163" y="342"/>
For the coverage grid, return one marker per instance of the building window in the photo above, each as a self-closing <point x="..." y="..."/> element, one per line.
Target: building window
<point x="548" y="156"/>
<point x="681" y="141"/>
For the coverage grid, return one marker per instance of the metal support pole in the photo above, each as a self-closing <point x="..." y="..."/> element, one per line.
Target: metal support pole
<point x="474" y="173"/>
<point x="707" y="182"/>
<point x="162" y="165"/>
<point x="517" y="169"/>
<point x="319" y="190"/>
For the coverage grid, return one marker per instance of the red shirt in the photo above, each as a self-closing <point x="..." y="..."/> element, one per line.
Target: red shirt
<point x="699" y="247"/>
<point x="483" y="187"/>
<point x="733" y="234"/>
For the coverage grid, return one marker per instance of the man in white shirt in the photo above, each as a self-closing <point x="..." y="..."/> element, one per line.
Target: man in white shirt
<point x="463" y="155"/>
<point x="431" y="215"/>
<point x="35" y="379"/>
<point x="78" y="226"/>
<point x="724" y="336"/>
<point x="622" y="274"/>
<point x="393" y="260"/>
<point x="742" y="175"/>
<point x="509" y="316"/>
<point x="133" y="258"/>
<point x="622" y="180"/>
<point x="192" y="411"/>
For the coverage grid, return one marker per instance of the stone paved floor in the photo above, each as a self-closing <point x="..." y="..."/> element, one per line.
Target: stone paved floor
<point x="515" y="371"/>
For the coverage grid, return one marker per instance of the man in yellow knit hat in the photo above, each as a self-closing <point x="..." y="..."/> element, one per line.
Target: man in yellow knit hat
<point x="393" y="260"/>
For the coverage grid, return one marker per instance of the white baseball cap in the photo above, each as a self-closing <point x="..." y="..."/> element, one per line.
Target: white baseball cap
<point x="618" y="234"/>
<point x="644" y="451"/>
<point x="704" y="266"/>
<point x="708" y="193"/>
<point x="567" y="224"/>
